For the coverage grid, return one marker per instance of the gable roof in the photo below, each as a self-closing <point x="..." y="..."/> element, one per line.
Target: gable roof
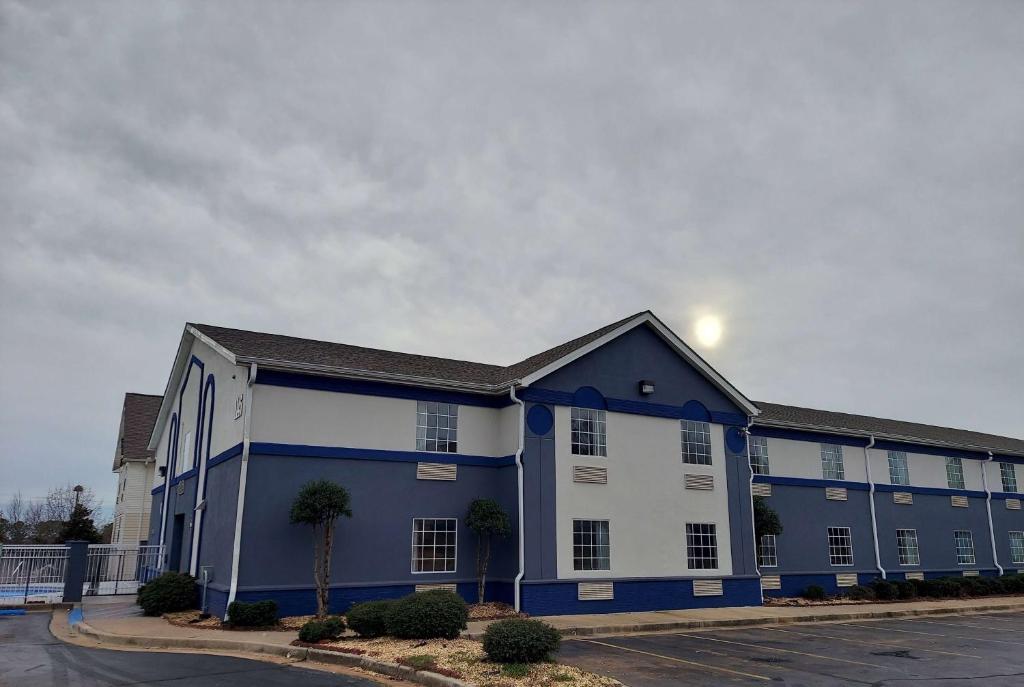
<point x="138" y="418"/>
<point x="795" y="417"/>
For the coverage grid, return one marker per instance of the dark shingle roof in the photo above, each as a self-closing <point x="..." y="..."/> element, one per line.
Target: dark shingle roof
<point x="138" y="417"/>
<point x="292" y="350"/>
<point x="774" y="413"/>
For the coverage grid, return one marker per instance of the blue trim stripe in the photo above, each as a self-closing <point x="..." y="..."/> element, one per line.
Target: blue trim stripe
<point x="864" y="486"/>
<point x="798" y="435"/>
<point x="157" y="490"/>
<point x="934" y="491"/>
<point x="224" y="456"/>
<point x="349" y="386"/>
<point x="184" y="476"/>
<point x="617" y="405"/>
<point x="304" y="451"/>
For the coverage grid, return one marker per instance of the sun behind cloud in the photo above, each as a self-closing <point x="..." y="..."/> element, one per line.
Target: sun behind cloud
<point x="708" y="330"/>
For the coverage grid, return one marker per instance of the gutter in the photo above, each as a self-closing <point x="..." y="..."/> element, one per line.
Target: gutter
<point x="236" y="548"/>
<point x="871" y="502"/>
<point x="988" y="508"/>
<point x="520" y="488"/>
<point x="753" y="520"/>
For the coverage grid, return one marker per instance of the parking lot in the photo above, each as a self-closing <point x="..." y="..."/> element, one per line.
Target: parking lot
<point x="957" y="650"/>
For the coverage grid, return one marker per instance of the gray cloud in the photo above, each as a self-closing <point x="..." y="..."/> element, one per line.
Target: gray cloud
<point x="841" y="182"/>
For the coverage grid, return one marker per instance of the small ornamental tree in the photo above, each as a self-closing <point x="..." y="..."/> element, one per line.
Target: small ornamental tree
<point x="486" y="519"/>
<point x="79" y="526"/>
<point x="766" y="520"/>
<point x="320" y="503"/>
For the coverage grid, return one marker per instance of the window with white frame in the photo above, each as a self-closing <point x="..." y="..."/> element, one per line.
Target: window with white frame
<point x="591" y="545"/>
<point x="964" y="541"/>
<point x="696" y="442"/>
<point x="955" y="473"/>
<point x="434" y="543"/>
<point x="185" y="455"/>
<point x="437" y="427"/>
<point x="906" y="543"/>
<point x="759" y="455"/>
<point x="840" y="546"/>
<point x="1008" y="476"/>
<point x="588" y="432"/>
<point x="701" y="546"/>
<point x="1017" y="547"/>
<point x="767" y="552"/>
<point x="832" y="462"/>
<point x="899" y="473"/>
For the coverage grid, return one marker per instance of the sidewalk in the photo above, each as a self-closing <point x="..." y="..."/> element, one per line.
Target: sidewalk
<point x="703" y="618"/>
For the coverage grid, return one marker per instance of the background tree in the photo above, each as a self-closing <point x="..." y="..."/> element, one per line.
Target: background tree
<point x="486" y="519"/>
<point x="80" y="526"/>
<point x="320" y="503"/>
<point x="766" y="521"/>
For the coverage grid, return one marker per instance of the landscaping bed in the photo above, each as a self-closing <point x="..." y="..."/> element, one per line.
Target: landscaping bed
<point x="897" y="591"/>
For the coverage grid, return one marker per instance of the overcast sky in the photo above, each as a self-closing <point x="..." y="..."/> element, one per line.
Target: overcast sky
<point x="841" y="183"/>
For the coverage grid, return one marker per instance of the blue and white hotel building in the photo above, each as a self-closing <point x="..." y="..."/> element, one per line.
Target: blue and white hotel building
<point x="627" y="463"/>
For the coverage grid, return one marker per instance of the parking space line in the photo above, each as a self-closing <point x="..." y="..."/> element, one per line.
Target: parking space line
<point x="932" y="634"/>
<point x="790" y="651"/>
<point x="876" y="643"/>
<point x="977" y="627"/>
<point x="704" y="666"/>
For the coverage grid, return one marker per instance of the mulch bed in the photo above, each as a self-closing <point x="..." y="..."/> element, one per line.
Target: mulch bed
<point x="326" y="646"/>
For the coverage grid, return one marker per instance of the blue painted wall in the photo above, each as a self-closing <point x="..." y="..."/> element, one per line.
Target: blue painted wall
<point x="560" y="598"/>
<point x="741" y="527"/>
<point x="218" y="526"/>
<point x="539" y="501"/>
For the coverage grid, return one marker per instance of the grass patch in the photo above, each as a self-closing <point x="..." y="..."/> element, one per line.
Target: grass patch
<point x="515" y="670"/>
<point x="420" y="662"/>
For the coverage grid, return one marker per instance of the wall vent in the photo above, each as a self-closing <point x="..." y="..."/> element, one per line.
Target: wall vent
<point x="432" y="587"/>
<point x="914" y="576"/>
<point x="760" y="489"/>
<point x="971" y="573"/>
<point x="707" y="588"/>
<point x="835" y="493"/>
<point x="587" y="474"/>
<point x="447" y="472"/>
<point x="691" y="481"/>
<point x="846" y="579"/>
<point x="1013" y="504"/>
<point x="771" y="582"/>
<point x="903" y="498"/>
<point x="595" y="591"/>
<point x="959" y="501"/>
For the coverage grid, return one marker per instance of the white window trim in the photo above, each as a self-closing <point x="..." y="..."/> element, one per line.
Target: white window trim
<point x="917" y="547"/>
<point x="828" y="545"/>
<point x="959" y="462"/>
<point x="1016" y="561"/>
<point x="686" y="546"/>
<point x="956" y="548"/>
<point x="412" y="546"/>
<point x="767" y="467"/>
<point x="416" y="426"/>
<point x="775" y="549"/>
<point x="604" y="422"/>
<point x="1002" y="479"/>
<point x="841" y="463"/>
<point x="572" y="547"/>
<point x="906" y="464"/>
<point x="705" y="429"/>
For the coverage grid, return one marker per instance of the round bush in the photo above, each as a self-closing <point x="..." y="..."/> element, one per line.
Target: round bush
<point x="257" y="614"/>
<point x="859" y="593"/>
<point x="1013" y="584"/>
<point x="438" y="613"/>
<point x="813" y="593"/>
<point x="517" y="640"/>
<point x="168" y="593"/>
<point x="324" y="628"/>
<point x="370" y="619"/>
<point x="884" y="590"/>
<point x="905" y="590"/>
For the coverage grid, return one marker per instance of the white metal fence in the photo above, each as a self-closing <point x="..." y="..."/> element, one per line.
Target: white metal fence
<point x="31" y="574"/>
<point x="120" y="569"/>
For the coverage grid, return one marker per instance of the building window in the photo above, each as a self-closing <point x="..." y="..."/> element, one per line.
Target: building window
<point x="1009" y="477"/>
<point x="899" y="473"/>
<point x="591" y="548"/>
<point x="767" y="553"/>
<point x="437" y="427"/>
<point x="832" y="462"/>
<point x="955" y="473"/>
<point x="696" y="441"/>
<point x="906" y="542"/>
<point x="759" y="455"/>
<point x="964" y="541"/>
<point x="840" y="546"/>
<point x="701" y="546"/>
<point x="1017" y="547"/>
<point x="433" y="545"/>
<point x="588" y="432"/>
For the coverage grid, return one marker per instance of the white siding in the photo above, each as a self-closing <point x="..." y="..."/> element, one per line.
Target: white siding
<point x="131" y="512"/>
<point x="644" y="500"/>
<point x="789" y="458"/>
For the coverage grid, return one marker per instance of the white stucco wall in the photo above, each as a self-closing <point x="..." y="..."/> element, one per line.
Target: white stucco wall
<point x="326" y="418"/>
<point x="644" y="500"/>
<point x="789" y="458"/>
<point x="995" y="480"/>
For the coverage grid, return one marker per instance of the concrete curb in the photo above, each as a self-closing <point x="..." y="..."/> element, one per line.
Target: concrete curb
<point x="394" y="670"/>
<point x="638" y="628"/>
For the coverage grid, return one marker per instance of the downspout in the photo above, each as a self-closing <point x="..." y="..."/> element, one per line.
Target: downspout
<point x="871" y="502"/>
<point x="753" y="520"/>
<point x="988" y="507"/>
<point x="243" y="470"/>
<point x="522" y="508"/>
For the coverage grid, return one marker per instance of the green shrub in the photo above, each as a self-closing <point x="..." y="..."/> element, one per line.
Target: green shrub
<point x="370" y="619"/>
<point x="516" y="640"/>
<point x="884" y="590"/>
<point x="317" y="630"/>
<point x="168" y="593"/>
<point x="257" y="614"/>
<point x="438" y="613"/>
<point x="905" y="590"/>
<point x="420" y="662"/>
<point x="515" y="670"/>
<point x="813" y="593"/>
<point x="859" y="593"/>
<point x="1013" y="583"/>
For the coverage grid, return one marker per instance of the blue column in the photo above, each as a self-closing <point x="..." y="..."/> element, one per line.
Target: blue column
<point x="75" y="570"/>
